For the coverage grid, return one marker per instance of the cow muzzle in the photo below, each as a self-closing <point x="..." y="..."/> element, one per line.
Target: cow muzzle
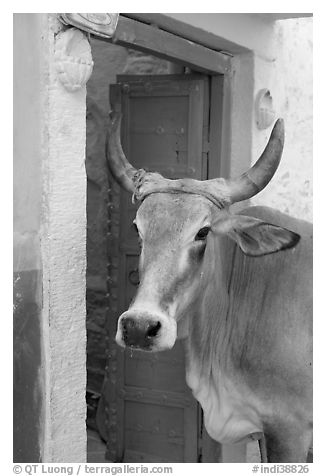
<point x="146" y="331"/>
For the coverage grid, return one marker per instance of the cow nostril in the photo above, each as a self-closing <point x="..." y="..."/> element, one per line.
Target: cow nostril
<point x="128" y="323"/>
<point x="139" y="332"/>
<point x="153" y="329"/>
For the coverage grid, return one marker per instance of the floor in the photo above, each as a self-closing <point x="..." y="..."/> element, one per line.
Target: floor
<point x="95" y="447"/>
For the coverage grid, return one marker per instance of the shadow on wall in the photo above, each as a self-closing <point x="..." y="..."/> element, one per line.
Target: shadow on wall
<point x="27" y="397"/>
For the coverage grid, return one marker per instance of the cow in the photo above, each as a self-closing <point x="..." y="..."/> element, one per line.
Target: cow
<point x="236" y="287"/>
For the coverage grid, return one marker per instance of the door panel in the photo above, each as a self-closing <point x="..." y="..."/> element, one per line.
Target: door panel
<point x="156" y="428"/>
<point x="159" y="371"/>
<point x="152" y="415"/>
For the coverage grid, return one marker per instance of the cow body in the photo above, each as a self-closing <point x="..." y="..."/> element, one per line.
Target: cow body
<point x="249" y="343"/>
<point x="246" y="321"/>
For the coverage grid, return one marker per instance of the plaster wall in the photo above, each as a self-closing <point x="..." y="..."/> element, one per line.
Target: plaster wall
<point x="289" y="78"/>
<point x="233" y="32"/>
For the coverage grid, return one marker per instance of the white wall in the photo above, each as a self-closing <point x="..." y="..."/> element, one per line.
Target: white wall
<point x="289" y="78"/>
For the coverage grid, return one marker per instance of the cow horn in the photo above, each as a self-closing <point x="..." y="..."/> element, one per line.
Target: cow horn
<point x="259" y="175"/>
<point x="119" y="166"/>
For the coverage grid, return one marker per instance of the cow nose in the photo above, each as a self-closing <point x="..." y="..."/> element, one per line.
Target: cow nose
<point x="139" y="333"/>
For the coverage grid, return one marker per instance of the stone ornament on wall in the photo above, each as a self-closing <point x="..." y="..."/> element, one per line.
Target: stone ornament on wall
<point x="264" y="109"/>
<point x="100" y="24"/>
<point x="73" y="59"/>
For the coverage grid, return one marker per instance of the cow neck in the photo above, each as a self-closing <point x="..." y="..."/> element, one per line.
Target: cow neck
<point x="208" y="325"/>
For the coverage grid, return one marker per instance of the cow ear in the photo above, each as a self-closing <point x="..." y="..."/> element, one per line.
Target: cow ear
<point x="256" y="237"/>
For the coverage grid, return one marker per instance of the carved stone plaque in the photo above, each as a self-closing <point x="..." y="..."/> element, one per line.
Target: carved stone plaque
<point x="101" y="24"/>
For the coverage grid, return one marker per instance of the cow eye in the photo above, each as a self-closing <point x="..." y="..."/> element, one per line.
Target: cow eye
<point x="202" y="234"/>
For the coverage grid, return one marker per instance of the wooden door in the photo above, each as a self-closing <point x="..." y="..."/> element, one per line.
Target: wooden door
<point x="151" y="415"/>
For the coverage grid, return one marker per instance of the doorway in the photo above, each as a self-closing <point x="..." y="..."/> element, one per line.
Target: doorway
<point x="172" y="123"/>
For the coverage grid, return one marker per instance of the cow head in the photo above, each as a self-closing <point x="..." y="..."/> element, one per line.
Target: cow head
<point x="177" y="222"/>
